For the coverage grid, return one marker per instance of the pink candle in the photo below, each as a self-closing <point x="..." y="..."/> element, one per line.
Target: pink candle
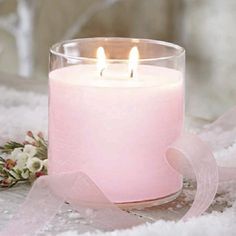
<point x="116" y="129"/>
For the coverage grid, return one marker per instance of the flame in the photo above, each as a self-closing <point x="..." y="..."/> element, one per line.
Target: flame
<point x="101" y="60"/>
<point x="133" y="61"/>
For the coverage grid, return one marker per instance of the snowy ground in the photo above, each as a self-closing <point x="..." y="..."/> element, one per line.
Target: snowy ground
<point x="21" y="111"/>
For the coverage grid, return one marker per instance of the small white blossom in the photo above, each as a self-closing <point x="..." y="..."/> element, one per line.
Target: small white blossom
<point x="25" y="174"/>
<point x="15" y="153"/>
<point x="34" y="164"/>
<point x="30" y="150"/>
<point x="21" y="160"/>
<point x="45" y="163"/>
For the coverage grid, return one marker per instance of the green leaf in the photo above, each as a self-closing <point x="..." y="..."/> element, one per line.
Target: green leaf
<point x="10" y="146"/>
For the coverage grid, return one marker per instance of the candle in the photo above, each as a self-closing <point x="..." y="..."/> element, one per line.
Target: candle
<point x="115" y="126"/>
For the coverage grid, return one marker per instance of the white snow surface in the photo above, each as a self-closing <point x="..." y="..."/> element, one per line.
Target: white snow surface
<point x="22" y="111"/>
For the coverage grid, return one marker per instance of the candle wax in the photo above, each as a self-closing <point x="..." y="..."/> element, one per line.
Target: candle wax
<point x="116" y="129"/>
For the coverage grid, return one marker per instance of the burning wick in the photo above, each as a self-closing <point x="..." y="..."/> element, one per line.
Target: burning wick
<point x="101" y="60"/>
<point x="133" y="61"/>
<point x="101" y="72"/>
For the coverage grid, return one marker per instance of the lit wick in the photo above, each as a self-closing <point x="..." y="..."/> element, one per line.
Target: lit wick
<point x="101" y="71"/>
<point x="133" y="61"/>
<point x="101" y="61"/>
<point x="132" y="73"/>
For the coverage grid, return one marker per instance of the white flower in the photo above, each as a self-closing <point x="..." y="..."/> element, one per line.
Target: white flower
<point x="20" y="157"/>
<point x="21" y="160"/>
<point x="15" y="153"/>
<point x="25" y="174"/>
<point x="30" y="150"/>
<point x="34" y="164"/>
<point x="45" y="163"/>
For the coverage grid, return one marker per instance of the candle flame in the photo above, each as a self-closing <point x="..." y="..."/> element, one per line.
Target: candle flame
<point x="133" y="61"/>
<point x="101" y="60"/>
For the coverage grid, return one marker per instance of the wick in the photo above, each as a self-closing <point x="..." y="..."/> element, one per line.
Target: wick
<point x="131" y="73"/>
<point x="101" y="72"/>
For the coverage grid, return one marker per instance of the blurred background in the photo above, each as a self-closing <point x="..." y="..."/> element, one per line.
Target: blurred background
<point x="206" y="28"/>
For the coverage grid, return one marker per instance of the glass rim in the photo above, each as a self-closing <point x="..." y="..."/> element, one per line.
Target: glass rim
<point x="180" y="51"/>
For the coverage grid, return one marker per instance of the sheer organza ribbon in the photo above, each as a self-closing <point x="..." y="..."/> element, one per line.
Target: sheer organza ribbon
<point x="190" y="155"/>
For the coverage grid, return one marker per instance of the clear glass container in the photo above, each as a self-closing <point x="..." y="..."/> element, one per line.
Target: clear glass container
<point x="115" y="123"/>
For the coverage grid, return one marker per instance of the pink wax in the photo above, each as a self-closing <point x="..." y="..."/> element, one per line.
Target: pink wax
<point x="116" y="129"/>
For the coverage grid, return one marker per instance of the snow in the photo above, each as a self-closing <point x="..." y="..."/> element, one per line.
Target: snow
<point x="207" y="225"/>
<point x="22" y="111"/>
<point x="226" y="157"/>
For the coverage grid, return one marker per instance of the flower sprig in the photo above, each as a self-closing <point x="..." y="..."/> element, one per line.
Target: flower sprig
<point x="23" y="162"/>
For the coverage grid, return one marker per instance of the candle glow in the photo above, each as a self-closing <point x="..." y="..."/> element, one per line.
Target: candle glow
<point x="133" y="61"/>
<point x="101" y="60"/>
